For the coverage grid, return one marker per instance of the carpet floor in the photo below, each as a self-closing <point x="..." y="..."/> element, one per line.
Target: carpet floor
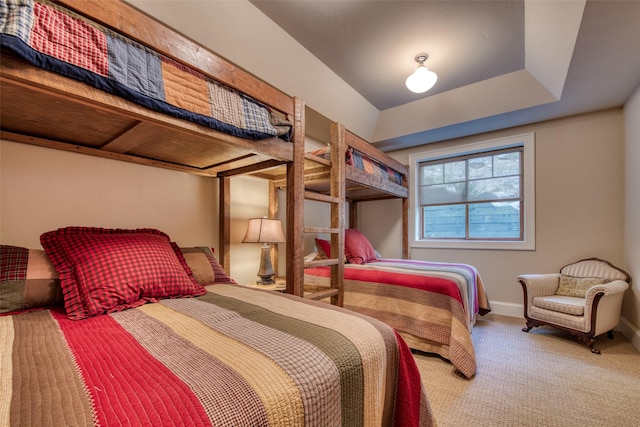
<point x="541" y="378"/>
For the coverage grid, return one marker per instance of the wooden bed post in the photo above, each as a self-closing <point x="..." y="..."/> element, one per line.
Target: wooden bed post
<point x="338" y="167"/>
<point x="273" y="211"/>
<point x="295" y="205"/>
<point x="224" y="222"/>
<point x="353" y="214"/>
<point x="405" y="228"/>
<point x="405" y="221"/>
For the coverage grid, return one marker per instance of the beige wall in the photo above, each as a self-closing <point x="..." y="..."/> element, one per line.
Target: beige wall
<point x="631" y="306"/>
<point x="579" y="205"/>
<point x="42" y="189"/>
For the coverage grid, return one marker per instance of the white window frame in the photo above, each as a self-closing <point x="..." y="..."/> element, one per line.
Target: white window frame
<point x="528" y="163"/>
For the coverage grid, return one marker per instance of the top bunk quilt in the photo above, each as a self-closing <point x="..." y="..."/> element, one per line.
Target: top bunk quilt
<point x="55" y="39"/>
<point x="365" y="163"/>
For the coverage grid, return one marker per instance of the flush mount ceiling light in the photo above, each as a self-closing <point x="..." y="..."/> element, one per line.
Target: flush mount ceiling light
<point x="422" y="79"/>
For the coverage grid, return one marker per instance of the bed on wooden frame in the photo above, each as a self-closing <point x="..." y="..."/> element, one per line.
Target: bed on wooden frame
<point x="119" y="326"/>
<point x="433" y="305"/>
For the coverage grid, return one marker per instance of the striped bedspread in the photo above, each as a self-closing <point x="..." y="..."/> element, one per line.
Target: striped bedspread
<point x="432" y="305"/>
<point x="50" y="37"/>
<point x="233" y="357"/>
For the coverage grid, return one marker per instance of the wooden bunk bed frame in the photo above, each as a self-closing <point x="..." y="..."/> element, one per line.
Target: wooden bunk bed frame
<point x="334" y="182"/>
<point x="50" y="110"/>
<point x="368" y="362"/>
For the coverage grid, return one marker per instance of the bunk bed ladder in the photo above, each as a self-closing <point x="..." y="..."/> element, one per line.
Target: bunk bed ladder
<point x="336" y="199"/>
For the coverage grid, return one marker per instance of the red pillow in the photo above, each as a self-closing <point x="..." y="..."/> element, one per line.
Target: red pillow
<point x="324" y="248"/>
<point x="107" y="270"/>
<point x="357" y="247"/>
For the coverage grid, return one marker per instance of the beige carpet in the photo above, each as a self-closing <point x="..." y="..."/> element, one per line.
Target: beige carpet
<point x="541" y="378"/>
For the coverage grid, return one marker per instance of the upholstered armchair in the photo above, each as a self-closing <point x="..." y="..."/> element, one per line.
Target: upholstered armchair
<point x="585" y="299"/>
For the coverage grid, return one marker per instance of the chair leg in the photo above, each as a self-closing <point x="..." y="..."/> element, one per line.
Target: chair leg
<point x="589" y="341"/>
<point x="530" y="324"/>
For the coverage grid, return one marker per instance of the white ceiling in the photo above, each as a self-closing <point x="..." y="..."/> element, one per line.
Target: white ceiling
<point x="499" y="63"/>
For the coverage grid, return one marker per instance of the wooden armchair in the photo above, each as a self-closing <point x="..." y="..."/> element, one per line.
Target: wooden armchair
<point x="585" y="299"/>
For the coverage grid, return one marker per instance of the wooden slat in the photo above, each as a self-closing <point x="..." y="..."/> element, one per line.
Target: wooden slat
<point x="321" y="262"/>
<point x="322" y="230"/>
<point x="128" y="140"/>
<point x="253" y="167"/>
<point x="317" y="159"/>
<point x="331" y="292"/>
<point x="310" y="195"/>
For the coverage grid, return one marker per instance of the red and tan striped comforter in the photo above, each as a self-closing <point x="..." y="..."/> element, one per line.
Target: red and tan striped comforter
<point x="432" y="305"/>
<point x="233" y="357"/>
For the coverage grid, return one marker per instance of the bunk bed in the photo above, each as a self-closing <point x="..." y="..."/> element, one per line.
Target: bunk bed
<point x="177" y="345"/>
<point x="432" y="305"/>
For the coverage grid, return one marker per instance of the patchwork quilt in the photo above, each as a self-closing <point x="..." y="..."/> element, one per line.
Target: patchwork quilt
<point x="364" y="163"/>
<point x="55" y="39"/>
<point x="234" y="357"/>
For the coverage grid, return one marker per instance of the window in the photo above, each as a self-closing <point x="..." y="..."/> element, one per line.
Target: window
<point x="476" y="196"/>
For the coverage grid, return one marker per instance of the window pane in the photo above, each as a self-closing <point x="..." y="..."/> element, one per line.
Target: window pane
<point x="481" y="167"/>
<point x="455" y="172"/>
<point x="506" y="164"/>
<point x="431" y="174"/>
<point x="495" y="188"/>
<point x="445" y="193"/>
<point x="444" y="221"/>
<point x="494" y="220"/>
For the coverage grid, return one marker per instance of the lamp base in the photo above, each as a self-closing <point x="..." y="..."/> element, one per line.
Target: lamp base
<point x="266" y="272"/>
<point x="266" y="280"/>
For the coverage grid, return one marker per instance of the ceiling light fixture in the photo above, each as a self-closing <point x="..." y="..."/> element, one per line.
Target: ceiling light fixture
<point x="422" y="79"/>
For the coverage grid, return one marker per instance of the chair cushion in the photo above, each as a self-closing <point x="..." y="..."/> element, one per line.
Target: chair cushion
<point x="577" y="286"/>
<point x="561" y="303"/>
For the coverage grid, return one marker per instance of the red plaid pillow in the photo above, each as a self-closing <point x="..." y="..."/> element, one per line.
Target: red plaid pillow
<point x="357" y="247"/>
<point x="107" y="270"/>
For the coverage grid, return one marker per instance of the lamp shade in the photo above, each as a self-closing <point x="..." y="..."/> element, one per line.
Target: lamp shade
<point x="264" y="230"/>
<point x="421" y="80"/>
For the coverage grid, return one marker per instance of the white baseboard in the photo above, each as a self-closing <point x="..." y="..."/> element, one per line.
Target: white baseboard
<point x="517" y="310"/>
<point x="507" y="309"/>
<point x="630" y="332"/>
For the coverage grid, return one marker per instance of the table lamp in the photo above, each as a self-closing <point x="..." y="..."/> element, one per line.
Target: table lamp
<point x="266" y="231"/>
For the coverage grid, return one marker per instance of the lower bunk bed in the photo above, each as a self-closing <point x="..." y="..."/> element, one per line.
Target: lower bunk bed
<point x="127" y="348"/>
<point x="432" y="305"/>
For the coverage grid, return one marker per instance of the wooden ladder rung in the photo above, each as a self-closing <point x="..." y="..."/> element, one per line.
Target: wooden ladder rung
<point x="317" y="159"/>
<point x="322" y="294"/>
<point x="321" y="262"/>
<point x="322" y="230"/>
<point x="319" y="197"/>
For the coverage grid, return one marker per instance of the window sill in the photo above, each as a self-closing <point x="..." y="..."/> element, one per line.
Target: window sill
<point x="476" y="244"/>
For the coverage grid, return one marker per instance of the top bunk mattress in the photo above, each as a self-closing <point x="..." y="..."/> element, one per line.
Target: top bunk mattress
<point x="58" y="40"/>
